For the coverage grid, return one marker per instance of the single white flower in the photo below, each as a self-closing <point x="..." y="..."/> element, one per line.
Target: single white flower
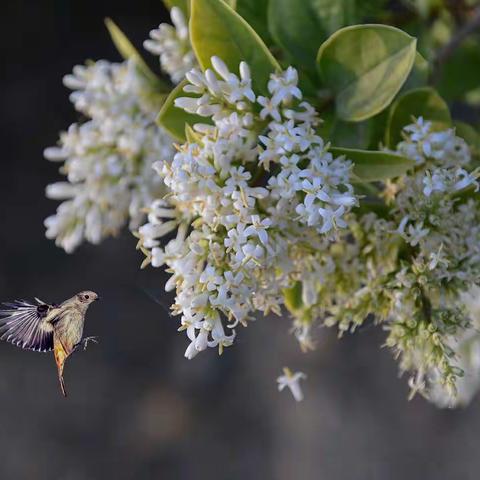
<point x="269" y="109"/>
<point x="292" y="381"/>
<point x="283" y="86"/>
<point x="259" y="228"/>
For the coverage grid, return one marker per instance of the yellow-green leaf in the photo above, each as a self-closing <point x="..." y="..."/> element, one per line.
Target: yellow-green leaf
<point x="293" y="298"/>
<point x="365" y="66"/>
<point x="191" y="135"/>
<point x="371" y="166"/>
<point x="173" y="119"/>
<point x="216" y="29"/>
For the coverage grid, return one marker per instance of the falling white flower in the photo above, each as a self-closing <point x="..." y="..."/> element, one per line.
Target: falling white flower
<point x="292" y="381"/>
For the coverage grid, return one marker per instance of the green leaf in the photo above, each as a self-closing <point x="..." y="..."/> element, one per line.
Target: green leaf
<point x="190" y="134"/>
<point x="293" y="298"/>
<point x="366" y="135"/>
<point x="470" y="135"/>
<point x="377" y="131"/>
<point x="351" y="135"/>
<point x="369" y="9"/>
<point x="129" y="52"/>
<point x="371" y="166"/>
<point x="216" y="29"/>
<point x="421" y="102"/>
<point x="174" y="120"/>
<point x="465" y="193"/>
<point x="181" y="4"/>
<point x="461" y="73"/>
<point x="255" y="13"/>
<point x="299" y="28"/>
<point x="365" y="66"/>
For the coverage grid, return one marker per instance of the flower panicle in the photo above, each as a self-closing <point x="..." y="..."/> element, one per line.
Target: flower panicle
<point x="251" y="182"/>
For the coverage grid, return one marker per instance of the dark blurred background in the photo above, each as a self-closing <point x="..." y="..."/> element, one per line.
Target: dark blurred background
<point x="137" y="408"/>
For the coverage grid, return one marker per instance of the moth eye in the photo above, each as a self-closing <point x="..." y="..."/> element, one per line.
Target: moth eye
<point x="86" y="297"/>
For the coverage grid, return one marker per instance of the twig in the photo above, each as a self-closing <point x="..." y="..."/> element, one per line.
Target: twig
<point x="450" y="48"/>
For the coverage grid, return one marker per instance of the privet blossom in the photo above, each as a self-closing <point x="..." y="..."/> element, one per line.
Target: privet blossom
<point x="414" y="264"/>
<point x="291" y="380"/>
<point x="107" y="160"/>
<point x="243" y="191"/>
<point x="253" y="213"/>
<point x="434" y="313"/>
<point x="172" y="45"/>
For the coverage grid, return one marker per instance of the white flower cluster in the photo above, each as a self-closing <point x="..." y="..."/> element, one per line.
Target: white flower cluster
<point x="437" y="216"/>
<point x="172" y="45"/>
<point x="254" y="212"/>
<point x="431" y="215"/>
<point x="108" y="158"/>
<point x="408" y="265"/>
<point x="467" y="347"/>
<point x="254" y="196"/>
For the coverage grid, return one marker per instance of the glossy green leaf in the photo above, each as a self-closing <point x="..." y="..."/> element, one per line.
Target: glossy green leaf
<point x="216" y="29"/>
<point x="377" y="131"/>
<point x="129" y="52"/>
<point x="421" y="102"/>
<point x="351" y="135"/>
<point x="371" y="166"/>
<point x="461" y="72"/>
<point x="255" y="12"/>
<point x="366" y="66"/>
<point x="174" y="120"/>
<point x="366" y="135"/>
<point x="299" y="28"/>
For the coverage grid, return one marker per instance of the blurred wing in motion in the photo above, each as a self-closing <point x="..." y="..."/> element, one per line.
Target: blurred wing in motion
<point x="27" y="326"/>
<point x="156" y="298"/>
